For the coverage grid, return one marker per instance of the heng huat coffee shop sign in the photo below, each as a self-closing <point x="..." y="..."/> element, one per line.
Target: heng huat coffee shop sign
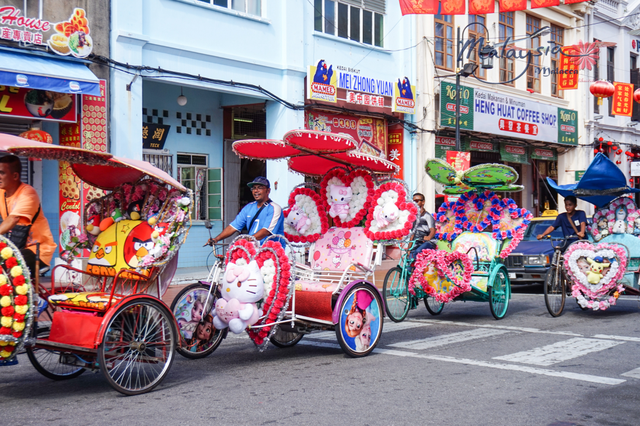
<point x="500" y="114"/>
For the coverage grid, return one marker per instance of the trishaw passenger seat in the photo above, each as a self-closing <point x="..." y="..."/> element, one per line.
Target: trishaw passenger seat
<point x="481" y="243"/>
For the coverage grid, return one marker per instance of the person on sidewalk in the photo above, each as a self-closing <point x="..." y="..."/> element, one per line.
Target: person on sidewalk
<point x="425" y="230"/>
<point x="260" y="218"/>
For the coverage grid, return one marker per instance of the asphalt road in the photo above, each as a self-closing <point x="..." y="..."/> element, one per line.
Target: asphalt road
<point x="459" y="368"/>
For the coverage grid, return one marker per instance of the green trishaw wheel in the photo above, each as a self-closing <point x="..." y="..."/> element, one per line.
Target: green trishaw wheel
<point x="396" y="295"/>
<point x="499" y="293"/>
<point x="433" y="306"/>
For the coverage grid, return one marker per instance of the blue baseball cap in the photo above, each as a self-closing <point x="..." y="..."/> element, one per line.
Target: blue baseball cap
<point x="260" y="180"/>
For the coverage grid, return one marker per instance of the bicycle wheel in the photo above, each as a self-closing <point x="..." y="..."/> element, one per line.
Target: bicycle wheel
<point x="198" y="338"/>
<point x="48" y="362"/>
<point x="138" y="347"/>
<point x="360" y="342"/>
<point x="285" y="338"/>
<point x="554" y="294"/>
<point x="396" y="295"/>
<point x="433" y="306"/>
<point x="499" y="293"/>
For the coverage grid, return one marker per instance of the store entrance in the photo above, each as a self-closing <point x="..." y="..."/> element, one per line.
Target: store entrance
<point x="544" y="197"/>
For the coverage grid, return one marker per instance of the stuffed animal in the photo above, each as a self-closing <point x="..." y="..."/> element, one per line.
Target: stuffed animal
<point x="339" y="197"/>
<point x="595" y="273"/>
<point x="134" y="210"/>
<point x="93" y="224"/>
<point x="242" y="287"/>
<point x="386" y="214"/>
<point x="116" y="216"/>
<point x="620" y="225"/>
<point x="603" y="228"/>
<point x="298" y="220"/>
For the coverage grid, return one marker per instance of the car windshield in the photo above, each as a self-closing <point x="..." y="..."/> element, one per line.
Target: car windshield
<point x="537" y="227"/>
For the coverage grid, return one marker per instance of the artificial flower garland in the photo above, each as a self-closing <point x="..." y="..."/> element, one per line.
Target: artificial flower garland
<point x="310" y="203"/>
<point x="443" y="261"/>
<point x="16" y="306"/>
<point x="608" y="213"/>
<point x="362" y="186"/>
<point x="405" y="220"/>
<point x="604" y="294"/>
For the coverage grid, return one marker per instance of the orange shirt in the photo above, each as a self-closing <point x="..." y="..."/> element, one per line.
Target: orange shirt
<point x="24" y="203"/>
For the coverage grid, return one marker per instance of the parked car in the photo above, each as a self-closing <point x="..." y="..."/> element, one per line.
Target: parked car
<point x="529" y="262"/>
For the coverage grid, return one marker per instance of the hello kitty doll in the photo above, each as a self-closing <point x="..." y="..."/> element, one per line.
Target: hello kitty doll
<point x="386" y="214"/>
<point x="242" y="287"/>
<point x="339" y="197"/>
<point x="298" y="220"/>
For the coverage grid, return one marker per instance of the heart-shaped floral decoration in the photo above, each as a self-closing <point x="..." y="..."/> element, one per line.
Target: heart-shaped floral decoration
<point x="392" y="216"/>
<point x="446" y="229"/>
<point x="273" y="271"/>
<point x="347" y="196"/>
<point x="441" y="274"/>
<point x="511" y="224"/>
<point x="474" y="211"/>
<point x="595" y="271"/>
<point x="306" y="219"/>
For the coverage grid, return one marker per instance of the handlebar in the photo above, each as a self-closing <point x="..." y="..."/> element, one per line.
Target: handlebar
<point x="565" y="241"/>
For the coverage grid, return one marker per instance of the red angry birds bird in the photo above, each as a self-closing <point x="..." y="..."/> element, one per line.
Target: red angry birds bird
<point x="138" y="244"/>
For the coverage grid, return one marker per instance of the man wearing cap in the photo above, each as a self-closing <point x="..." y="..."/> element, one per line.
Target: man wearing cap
<point x="262" y="218"/>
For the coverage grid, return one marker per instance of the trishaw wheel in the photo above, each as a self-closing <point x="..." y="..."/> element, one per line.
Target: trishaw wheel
<point x="499" y="293"/>
<point x="433" y="306"/>
<point x="138" y="346"/>
<point x="190" y="345"/>
<point x="362" y="301"/>
<point x="285" y="338"/>
<point x="554" y="292"/>
<point x="47" y="362"/>
<point x="396" y="295"/>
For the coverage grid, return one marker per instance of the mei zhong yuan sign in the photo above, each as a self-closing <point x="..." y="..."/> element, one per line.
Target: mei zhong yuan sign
<point x="500" y="114"/>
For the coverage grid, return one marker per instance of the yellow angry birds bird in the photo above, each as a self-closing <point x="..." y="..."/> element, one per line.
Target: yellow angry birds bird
<point x="105" y="249"/>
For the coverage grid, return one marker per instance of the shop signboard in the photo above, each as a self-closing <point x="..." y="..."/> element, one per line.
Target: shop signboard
<point x="500" y="114"/>
<point x="322" y="83"/>
<point x="548" y="154"/>
<point x="482" y="146"/>
<point x="20" y="102"/>
<point x="567" y="126"/>
<point x="448" y="106"/>
<point x="369" y="133"/>
<point x="70" y="37"/>
<point x="579" y="174"/>
<point x="443" y="145"/>
<point x="363" y="89"/>
<point x="403" y="98"/>
<point x="514" y="154"/>
<point x="154" y="135"/>
<point x="396" y="149"/>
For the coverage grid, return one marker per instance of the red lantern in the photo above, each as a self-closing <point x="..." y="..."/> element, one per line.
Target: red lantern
<point x="630" y="154"/>
<point x="601" y="139"/>
<point x="602" y="89"/>
<point x="619" y="152"/>
<point x="37" y="135"/>
<point x="595" y="151"/>
<point x="636" y="96"/>
<point x="609" y="143"/>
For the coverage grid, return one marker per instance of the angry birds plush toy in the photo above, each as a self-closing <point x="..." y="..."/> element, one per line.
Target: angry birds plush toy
<point x="135" y="209"/>
<point x="93" y="224"/>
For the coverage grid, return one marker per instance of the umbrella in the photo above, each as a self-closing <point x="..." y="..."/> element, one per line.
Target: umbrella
<point x="601" y="183"/>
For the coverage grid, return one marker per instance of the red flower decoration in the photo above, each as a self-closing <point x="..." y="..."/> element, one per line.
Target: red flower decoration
<point x="8" y="311"/>
<point x="6" y="290"/>
<point x="21" y="300"/>
<point x="347" y="180"/>
<point x="19" y="280"/>
<point x="393" y="230"/>
<point x="11" y="262"/>
<point x="442" y="267"/>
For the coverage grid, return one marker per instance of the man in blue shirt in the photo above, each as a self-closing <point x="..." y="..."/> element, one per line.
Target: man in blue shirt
<point x="571" y="221"/>
<point x="262" y="218"/>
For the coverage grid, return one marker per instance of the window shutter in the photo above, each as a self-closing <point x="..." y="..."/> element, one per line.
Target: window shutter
<point x="356" y="3"/>
<point x="215" y="193"/>
<point x="377" y="6"/>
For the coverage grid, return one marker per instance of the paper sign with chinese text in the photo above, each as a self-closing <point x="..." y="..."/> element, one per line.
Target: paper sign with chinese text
<point x="369" y="133"/>
<point x="460" y="160"/>
<point x="396" y="149"/>
<point x="622" y="99"/>
<point x="568" y="72"/>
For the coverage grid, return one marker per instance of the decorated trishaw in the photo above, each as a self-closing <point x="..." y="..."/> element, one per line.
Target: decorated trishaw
<point x="114" y="320"/>
<point x="597" y="272"/>
<point x="318" y="277"/>
<point x="474" y="234"/>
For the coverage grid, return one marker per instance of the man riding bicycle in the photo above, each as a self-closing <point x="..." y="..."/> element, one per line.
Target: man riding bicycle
<point x="573" y="222"/>
<point x="261" y="218"/>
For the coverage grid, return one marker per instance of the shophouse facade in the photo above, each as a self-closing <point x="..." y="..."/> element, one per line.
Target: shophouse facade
<point x="514" y="113"/>
<point x="49" y="83"/>
<point x="244" y="68"/>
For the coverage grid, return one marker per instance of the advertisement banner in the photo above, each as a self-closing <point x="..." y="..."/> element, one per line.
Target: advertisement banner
<point x="396" y="149"/>
<point x="322" y="83"/>
<point x="443" y="145"/>
<point x="448" y="106"/>
<point x="403" y="100"/>
<point x="544" y="154"/>
<point x="622" y="99"/>
<point x="37" y="104"/>
<point x="567" y="126"/>
<point x="514" y="154"/>
<point x="369" y="133"/>
<point x="70" y="186"/>
<point x="460" y="160"/>
<point x="568" y="72"/>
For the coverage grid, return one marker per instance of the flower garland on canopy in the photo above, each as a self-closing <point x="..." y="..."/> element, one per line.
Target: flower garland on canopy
<point x="439" y="265"/>
<point x="16" y="301"/>
<point x="511" y="224"/>
<point x="605" y="292"/>
<point x="393" y="216"/>
<point x="307" y="206"/>
<point x="362" y="188"/>
<point x="604" y="220"/>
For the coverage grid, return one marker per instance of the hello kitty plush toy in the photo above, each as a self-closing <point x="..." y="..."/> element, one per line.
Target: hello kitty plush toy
<point x="386" y="214"/>
<point x="339" y="197"/>
<point x="242" y="287"/>
<point x="298" y="220"/>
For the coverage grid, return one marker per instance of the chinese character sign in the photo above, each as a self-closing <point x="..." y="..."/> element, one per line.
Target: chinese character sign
<point x="460" y="160"/>
<point x="568" y="72"/>
<point x="622" y="99"/>
<point x="396" y="149"/>
<point x="154" y="135"/>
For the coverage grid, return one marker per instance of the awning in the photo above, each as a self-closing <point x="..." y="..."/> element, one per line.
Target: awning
<point x="38" y="72"/>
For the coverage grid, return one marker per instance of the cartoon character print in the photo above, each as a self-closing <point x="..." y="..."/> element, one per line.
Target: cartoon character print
<point x="340" y="245"/>
<point x="138" y="244"/>
<point x="105" y="249"/>
<point x="323" y="75"/>
<point x="359" y="319"/>
<point x="298" y="220"/>
<point x="339" y="197"/>
<point x="242" y="287"/>
<point x="404" y="87"/>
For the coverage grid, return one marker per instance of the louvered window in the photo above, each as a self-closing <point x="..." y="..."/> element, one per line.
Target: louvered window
<point x="357" y="20"/>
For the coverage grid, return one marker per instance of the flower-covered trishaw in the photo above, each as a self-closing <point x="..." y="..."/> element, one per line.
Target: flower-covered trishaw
<point x="597" y="273"/>
<point x="115" y="321"/>
<point x="473" y="233"/>
<point x="276" y="299"/>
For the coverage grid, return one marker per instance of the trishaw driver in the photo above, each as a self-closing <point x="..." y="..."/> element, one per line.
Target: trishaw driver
<point x="261" y="218"/>
<point x="573" y="222"/>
